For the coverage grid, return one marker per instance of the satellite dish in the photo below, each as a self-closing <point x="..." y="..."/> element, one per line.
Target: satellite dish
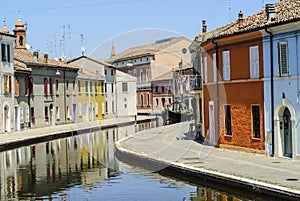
<point x="28" y="47"/>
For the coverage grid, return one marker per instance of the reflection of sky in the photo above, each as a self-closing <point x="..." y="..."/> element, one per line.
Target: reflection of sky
<point x="132" y="185"/>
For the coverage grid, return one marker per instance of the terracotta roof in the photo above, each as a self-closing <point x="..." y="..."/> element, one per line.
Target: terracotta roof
<point x="285" y="11"/>
<point x="149" y="49"/>
<point x="25" y="56"/>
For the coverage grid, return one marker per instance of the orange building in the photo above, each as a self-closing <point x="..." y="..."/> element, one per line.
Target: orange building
<point x="232" y="69"/>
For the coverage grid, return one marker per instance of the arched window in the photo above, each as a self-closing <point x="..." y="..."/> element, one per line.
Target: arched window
<point x="21" y="40"/>
<point x="142" y="99"/>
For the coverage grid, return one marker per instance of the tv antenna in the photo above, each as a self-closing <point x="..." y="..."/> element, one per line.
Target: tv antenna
<point x="82" y="47"/>
<point x="229" y="10"/>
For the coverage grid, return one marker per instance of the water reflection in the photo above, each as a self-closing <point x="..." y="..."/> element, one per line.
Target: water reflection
<point x="84" y="167"/>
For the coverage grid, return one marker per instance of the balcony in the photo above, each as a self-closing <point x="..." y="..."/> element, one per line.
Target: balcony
<point x="196" y="83"/>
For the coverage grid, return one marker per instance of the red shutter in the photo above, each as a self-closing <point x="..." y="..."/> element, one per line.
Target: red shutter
<point x="46" y="86"/>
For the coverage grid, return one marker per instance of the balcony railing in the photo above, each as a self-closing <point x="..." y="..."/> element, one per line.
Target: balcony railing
<point x="196" y="83"/>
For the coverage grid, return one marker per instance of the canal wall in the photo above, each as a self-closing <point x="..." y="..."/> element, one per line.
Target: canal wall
<point x="238" y="172"/>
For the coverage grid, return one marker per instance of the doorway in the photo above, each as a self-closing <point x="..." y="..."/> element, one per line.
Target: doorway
<point x="287" y="134"/>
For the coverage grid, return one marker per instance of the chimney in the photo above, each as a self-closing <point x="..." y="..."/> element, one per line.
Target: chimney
<point x="46" y="58"/>
<point x="35" y="56"/>
<point x="241" y="19"/>
<point x="270" y="10"/>
<point x="204" y="27"/>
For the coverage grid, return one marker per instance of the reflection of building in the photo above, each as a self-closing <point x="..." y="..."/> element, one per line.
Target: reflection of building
<point x="149" y="62"/>
<point x="203" y="194"/>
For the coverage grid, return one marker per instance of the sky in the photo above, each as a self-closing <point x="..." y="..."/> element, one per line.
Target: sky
<point x="59" y="27"/>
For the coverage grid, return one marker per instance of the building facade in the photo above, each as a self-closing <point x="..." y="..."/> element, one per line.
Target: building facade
<point x="149" y="62"/>
<point x="281" y="44"/>
<point x="7" y="81"/>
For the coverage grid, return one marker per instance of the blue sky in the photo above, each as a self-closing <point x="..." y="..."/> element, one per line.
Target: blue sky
<point x="127" y="23"/>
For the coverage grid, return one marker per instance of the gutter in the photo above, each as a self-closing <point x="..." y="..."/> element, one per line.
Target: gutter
<point x="272" y="87"/>
<point x="218" y="93"/>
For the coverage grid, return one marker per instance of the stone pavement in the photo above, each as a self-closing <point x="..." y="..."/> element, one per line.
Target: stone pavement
<point x="173" y="145"/>
<point x="17" y="137"/>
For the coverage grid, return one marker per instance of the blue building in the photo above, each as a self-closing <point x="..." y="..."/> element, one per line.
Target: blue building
<point x="281" y="45"/>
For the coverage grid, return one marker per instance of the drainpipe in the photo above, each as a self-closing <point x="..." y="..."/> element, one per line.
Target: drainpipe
<point x="65" y="101"/>
<point x="218" y="93"/>
<point x="28" y="99"/>
<point x="272" y="88"/>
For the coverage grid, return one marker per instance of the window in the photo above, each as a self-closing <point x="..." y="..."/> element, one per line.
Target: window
<point x="56" y="86"/>
<point x="17" y="87"/>
<point x="5" y="52"/>
<point x="95" y="86"/>
<point x="156" y="89"/>
<point x="51" y="86"/>
<point x="162" y="89"/>
<point x="142" y="99"/>
<point x="45" y="86"/>
<point x="79" y="87"/>
<point x="105" y="87"/>
<point x="46" y="114"/>
<point x="31" y="86"/>
<point x="205" y="69"/>
<point x="148" y="74"/>
<point x="215" y="67"/>
<point x="105" y="72"/>
<point x="148" y="99"/>
<point x="86" y="86"/>
<point x="7" y="84"/>
<point x="134" y="72"/>
<point x="283" y="58"/>
<point x="73" y="86"/>
<point x="141" y="75"/>
<point x="113" y="106"/>
<point x="124" y="86"/>
<point x="256" y="121"/>
<point x="102" y="87"/>
<point x="106" y="107"/>
<point x="156" y="101"/>
<point x="67" y="86"/>
<point x="91" y="86"/>
<point x="254" y="62"/>
<point x="112" y="72"/>
<point x="227" y="113"/>
<point x="26" y="86"/>
<point x="112" y="88"/>
<point x="226" y="65"/>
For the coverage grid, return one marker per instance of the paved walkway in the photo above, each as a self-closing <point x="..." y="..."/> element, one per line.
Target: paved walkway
<point x="173" y="145"/>
<point x="31" y="134"/>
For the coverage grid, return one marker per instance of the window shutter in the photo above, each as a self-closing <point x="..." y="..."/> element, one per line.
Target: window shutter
<point x="31" y="85"/>
<point x="26" y="86"/>
<point x="51" y="86"/>
<point x="226" y="65"/>
<point x="215" y="67"/>
<point x="45" y="86"/>
<point x="205" y="70"/>
<point x="9" y="84"/>
<point x="17" y="87"/>
<point x="254" y="62"/>
<point x="283" y="58"/>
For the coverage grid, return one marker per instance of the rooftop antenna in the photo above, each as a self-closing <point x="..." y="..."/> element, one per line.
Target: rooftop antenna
<point x="82" y="48"/>
<point x="263" y="4"/>
<point x="229" y="9"/>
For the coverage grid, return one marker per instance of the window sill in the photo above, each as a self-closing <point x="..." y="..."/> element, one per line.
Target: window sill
<point x="228" y="135"/>
<point x="256" y="139"/>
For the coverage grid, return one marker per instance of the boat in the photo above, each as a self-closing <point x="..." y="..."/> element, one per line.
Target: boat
<point x="172" y="114"/>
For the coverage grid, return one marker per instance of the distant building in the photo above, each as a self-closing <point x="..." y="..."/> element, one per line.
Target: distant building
<point x="50" y="86"/>
<point x="91" y="94"/>
<point x="148" y="62"/>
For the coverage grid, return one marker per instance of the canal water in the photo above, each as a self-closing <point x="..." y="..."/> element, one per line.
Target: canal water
<point x="85" y="167"/>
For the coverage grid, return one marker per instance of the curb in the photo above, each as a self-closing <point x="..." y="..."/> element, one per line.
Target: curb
<point x="209" y="177"/>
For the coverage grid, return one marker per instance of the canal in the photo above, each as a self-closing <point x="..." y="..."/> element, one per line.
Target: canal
<point x="85" y="167"/>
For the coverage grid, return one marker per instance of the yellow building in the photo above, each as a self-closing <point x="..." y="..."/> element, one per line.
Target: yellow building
<point x="91" y="94"/>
